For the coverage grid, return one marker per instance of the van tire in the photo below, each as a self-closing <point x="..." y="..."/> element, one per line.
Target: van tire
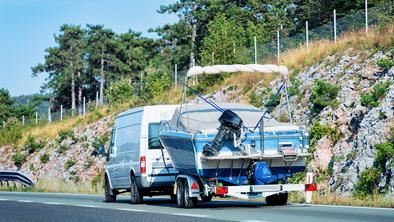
<point x="135" y="194"/>
<point x="110" y="195"/>
<point x="190" y="202"/>
<point x="180" y="194"/>
<point x="277" y="199"/>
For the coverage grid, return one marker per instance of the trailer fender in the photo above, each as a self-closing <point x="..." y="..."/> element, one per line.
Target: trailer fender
<point x="193" y="183"/>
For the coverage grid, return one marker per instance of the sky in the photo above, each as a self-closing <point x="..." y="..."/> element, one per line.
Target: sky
<point x="27" y="28"/>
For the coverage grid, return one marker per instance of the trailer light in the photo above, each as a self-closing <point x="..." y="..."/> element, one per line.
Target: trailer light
<point x="221" y="190"/>
<point x="194" y="186"/>
<point x="310" y="187"/>
<point x="142" y="164"/>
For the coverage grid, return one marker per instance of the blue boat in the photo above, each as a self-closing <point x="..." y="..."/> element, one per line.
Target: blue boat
<point x="224" y="141"/>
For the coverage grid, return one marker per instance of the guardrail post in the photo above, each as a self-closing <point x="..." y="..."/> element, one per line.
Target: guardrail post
<point x="309" y="180"/>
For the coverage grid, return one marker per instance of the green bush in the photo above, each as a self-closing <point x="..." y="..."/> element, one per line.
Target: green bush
<point x="294" y="88"/>
<point x="270" y="98"/>
<point x="33" y="145"/>
<point x="158" y="80"/>
<point x="367" y="182"/>
<point x="44" y="158"/>
<point x="88" y="164"/>
<point x="12" y="132"/>
<point x="69" y="163"/>
<point x="62" y="149"/>
<point x="64" y="134"/>
<point x="255" y="99"/>
<point x="323" y="94"/>
<point x="378" y="92"/>
<point x="385" y="63"/>
<point x="385" y="151"/>
<point x="120" y="91"/>
<point x="317" y="131"/>
<point x="96" y="181"/>
<point x="101" y="140"/>
<point x="19" y="158"/>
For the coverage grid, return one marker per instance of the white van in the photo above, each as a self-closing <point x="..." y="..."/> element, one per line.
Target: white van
<point x="137" y="162"/>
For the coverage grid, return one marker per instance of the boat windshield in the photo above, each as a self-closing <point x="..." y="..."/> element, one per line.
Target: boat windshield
<point x="197" y="118"/>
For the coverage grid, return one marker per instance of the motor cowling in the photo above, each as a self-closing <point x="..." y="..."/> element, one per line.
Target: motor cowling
<point x="230" y="126"/>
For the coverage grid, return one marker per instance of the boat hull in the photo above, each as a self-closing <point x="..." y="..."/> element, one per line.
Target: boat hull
<point x="186" y="153"/>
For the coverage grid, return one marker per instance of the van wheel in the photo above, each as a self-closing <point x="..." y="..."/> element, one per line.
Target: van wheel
<point x="136" y="197"/>
<point x="180" y="194"/>
<point x="110" y="195"/>
<point x="277" y="199"/>
<point x="190" y="202"/>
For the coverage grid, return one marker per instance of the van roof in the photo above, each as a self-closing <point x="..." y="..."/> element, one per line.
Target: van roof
<point x="143" y="108"/>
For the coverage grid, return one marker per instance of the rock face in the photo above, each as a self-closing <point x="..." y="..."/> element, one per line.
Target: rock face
<point x="72" y="159"/>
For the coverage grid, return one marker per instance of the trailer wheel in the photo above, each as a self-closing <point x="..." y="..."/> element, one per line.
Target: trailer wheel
<point x="277" y="199"/>
<point x="110" y="195"/>
<point x="190" y="202"/>
<point x="135" y="194"/>
<point x="180" y="194"/>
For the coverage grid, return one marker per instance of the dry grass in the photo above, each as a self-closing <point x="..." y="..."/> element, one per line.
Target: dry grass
<point x="335" y="199"/>
<point x="301" y="57"/>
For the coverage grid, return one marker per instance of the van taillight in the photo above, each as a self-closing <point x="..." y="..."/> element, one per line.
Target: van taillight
<point x="142" y="164"/>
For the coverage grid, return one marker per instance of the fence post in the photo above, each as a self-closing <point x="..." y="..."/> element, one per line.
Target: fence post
<point x="36" y="118"/>
<point x="61" y="112"/>
<point x="278" y="45"/>
<point x="3" y="124"/>
<point x="335" y="26"/>
<point x="255" y="50"/>
<point x="366" y="17"/>
<point x="49" y="115"/>
<point x="23" y="120"/>
<point x="307" y="34"/>
<point x="97" y="99"/>
<point x="84" y="107"/>
<point x="176" y="76"/>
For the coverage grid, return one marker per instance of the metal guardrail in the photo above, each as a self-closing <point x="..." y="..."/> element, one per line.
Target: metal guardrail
<point x="15" y="176"/>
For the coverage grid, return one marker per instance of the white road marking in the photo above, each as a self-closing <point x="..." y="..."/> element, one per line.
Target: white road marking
<point x="255" y="221"/>
<point x="25" y="201"/>
<point x="82" y="205"/>
<point x="3" y="199"/>
<point x="52" y="203"/>
<point x="342" y="206"/>
<point x="189" y="215"/>
<point x="129" y="209"/>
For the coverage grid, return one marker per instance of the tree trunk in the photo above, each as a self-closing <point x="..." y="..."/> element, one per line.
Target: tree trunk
<point x="72" y="87"/>
<point x="79" y="93"/>
<point x="102" y="78"/>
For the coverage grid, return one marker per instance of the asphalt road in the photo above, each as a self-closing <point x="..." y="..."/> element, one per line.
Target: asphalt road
<point x="75" y="207"/>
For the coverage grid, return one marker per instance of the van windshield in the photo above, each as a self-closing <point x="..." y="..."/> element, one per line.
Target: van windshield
<point x="153" y="138"/>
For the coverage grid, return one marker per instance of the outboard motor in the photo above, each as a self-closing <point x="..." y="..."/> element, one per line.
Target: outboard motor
<point x="230" y="127"/>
